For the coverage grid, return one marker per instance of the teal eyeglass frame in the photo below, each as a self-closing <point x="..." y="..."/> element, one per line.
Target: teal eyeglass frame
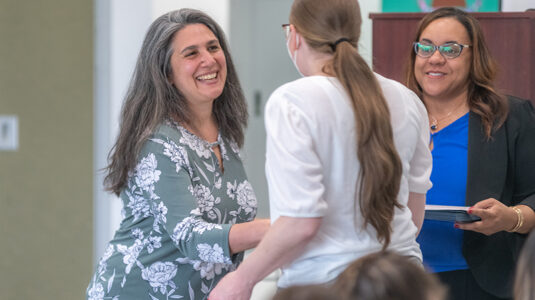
<point x="444" y="49"/>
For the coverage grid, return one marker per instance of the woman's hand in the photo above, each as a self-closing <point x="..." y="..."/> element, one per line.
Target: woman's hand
<point x="495" y="217"/>
<point x="232" y="287"/>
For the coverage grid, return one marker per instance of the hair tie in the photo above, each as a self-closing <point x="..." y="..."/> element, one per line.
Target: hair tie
<point x="333" y="45"/>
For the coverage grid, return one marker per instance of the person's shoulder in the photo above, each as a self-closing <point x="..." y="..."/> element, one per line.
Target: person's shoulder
<point x="301" y="92"/>
<point x="398" y="96"/>
<point x="395" y="87"/>
<point x="521" y="113"/>
<point x="516" y="103"/>
<point x="164" y="132"/>
<point x="387" y="81"/>
<point x="305" y="85"/>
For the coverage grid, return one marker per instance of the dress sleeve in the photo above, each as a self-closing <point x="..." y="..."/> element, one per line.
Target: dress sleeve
<point x="163" y="177"/>
<point x="293" y="168"/>
<point x="525" y="155"/>
<point x="422" y="161"/>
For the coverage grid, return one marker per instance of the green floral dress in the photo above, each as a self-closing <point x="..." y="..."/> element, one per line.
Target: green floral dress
<point x="178" y="208"/>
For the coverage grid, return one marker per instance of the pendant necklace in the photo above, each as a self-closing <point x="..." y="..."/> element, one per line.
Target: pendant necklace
<point x="434" y="121"/>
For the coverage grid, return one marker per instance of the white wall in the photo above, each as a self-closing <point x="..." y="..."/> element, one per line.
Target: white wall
<point x="117" y="42"/>
<point x="219" y="10"/>
<point x="365" y="43"/>
<point x="517" y="5"/>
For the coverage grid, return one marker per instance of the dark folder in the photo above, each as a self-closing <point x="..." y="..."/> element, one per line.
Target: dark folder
<point x="449" y="214"/>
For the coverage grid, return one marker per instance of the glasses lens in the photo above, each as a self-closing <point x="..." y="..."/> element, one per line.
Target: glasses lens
<point x="450" y="50"/>
<point x="424" y="50"/>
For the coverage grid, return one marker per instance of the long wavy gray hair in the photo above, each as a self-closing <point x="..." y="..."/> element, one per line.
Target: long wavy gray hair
<point x="151" y="98"/>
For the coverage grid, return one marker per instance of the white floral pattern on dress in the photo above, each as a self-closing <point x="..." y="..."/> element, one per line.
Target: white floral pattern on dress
<point x="153" y="242"/>
<point x="207" y="270"/>
<point x="137" y="234"/>
<point x="195" y="143"/>
<point x="96" y="292"/>
<point x="185" y="229"/>
<point x="212" y="262"/>
<point x="205" y="199"/>
<point x="213" y="254"/>
<point x="246" y="197"/>
<point x="231" y="189"/>
<point x="102" y="265"/>
<point x="160" y="275"/>
<point x="223" y="149"/>
<point x="176" y="154"/>
<point x="152" y="216"/>
<point x="139" y="205"/>
<point x="217" y="183"/>
<point x="130" y="254"/>
<point x="159" y="211"/>
<point x="146" y="173"/>
<point x="235" y="148"/>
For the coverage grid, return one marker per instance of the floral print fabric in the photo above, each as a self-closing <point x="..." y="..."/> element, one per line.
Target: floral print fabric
<point x="178" y="208"/>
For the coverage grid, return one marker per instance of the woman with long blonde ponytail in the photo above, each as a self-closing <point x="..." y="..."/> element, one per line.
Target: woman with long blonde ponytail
<point x="347" y="160"/>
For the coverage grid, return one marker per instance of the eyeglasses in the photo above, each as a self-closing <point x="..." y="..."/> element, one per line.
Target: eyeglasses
<point x="286" y="29"/>
<point x="448" y="50"/>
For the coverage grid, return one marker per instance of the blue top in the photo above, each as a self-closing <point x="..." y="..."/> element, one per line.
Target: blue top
<point x="440" y="242"/>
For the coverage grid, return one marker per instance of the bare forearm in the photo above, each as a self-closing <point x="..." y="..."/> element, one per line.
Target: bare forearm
<point x="416" y="205"/>
<point x="247" y="235"/>
<point x="283" y="242"/>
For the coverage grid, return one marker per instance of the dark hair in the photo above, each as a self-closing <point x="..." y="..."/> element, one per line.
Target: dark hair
<point x="483" y="99"/>
<point x="151" y="98"/>
<point x="322" y="24"/>
<point x="386" y="275"/>
<point x="525" y="271"/>
<point x="305" y="292"/>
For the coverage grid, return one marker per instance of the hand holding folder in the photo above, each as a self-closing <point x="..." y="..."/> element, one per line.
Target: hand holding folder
<point x="448" y="213"/>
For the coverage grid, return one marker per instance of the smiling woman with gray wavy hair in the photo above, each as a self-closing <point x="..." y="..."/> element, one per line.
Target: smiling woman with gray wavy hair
<point x="174" y="160"/>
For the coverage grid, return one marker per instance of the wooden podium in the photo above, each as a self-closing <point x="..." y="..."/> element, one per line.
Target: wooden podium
<point x="510" y="37"/>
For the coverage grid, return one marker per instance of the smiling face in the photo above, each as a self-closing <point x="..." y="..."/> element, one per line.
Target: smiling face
<point x="441" y="78"/>
<point x="199" y="68"/>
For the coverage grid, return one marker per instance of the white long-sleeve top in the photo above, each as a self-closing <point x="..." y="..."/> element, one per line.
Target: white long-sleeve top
<point x="312" y="171"/>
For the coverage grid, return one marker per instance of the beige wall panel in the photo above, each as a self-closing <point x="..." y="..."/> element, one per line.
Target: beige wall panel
<point x="46" y="63"/>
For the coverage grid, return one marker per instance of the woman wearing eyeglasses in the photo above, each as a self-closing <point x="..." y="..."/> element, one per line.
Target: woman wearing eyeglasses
<point x="347" y="160"/>
<point x="483" y="147"/>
